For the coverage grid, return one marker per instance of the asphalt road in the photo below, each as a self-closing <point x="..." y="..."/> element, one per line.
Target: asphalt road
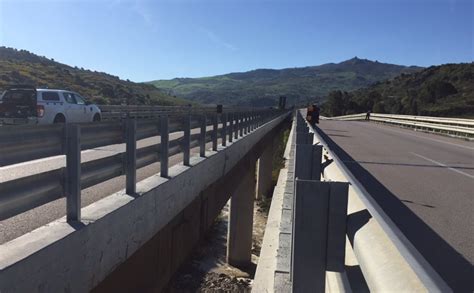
<point x="424" y="182"/>
<point x="18" y="225"/>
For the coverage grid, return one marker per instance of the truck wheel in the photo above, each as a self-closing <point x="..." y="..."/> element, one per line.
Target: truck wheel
<point x="59" y="119"/>
<point x="96" y="118"/>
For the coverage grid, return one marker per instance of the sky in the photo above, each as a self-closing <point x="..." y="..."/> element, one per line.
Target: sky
<point x="144" y="40"/>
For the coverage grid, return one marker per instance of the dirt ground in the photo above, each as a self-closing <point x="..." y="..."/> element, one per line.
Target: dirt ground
<point x="207" y="270"/>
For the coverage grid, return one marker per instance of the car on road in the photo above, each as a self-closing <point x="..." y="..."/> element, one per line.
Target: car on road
<point x="28" y="105"/>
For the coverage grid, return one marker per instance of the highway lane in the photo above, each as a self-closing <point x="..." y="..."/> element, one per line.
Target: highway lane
<point x="424" y="182"/>
<point x="25" y="222"/>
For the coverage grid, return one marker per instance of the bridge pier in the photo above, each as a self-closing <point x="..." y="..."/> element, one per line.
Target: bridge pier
<point x="264" y="172"/>
<point x="239" y="234"/>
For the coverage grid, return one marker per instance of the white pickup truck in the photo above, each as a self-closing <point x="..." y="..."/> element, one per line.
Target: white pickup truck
<point x="28" y="105"/>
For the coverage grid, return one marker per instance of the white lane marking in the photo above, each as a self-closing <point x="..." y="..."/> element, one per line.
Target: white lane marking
<point x="443" y="165"/>
<point x="437" y="140"/>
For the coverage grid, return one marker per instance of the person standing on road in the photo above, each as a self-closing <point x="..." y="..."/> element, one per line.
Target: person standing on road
<point x="309" y="113"/>
<point x="315" y="114"/>
<point x="367" y="116"/>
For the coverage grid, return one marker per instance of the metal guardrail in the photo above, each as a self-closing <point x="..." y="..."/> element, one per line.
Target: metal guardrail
<point x="452" y="126"/>
<point x="24" y="143"/>
<point x="117" y="112"/>
<point x="319" y="217"/>
<point x="407" y="259"/>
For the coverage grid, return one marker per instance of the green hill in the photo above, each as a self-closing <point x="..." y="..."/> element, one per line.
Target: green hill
<point x="23" y="67"/>
<point x="445" y="90"/>
<point x="262" y="87"/>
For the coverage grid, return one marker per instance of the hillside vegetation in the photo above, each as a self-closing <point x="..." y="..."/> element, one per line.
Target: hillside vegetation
<point x="23" y="67"/>
<point x="262" y="87"/>
<point x="445" y="90"/>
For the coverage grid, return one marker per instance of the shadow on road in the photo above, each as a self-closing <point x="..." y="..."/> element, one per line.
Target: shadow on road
<point x="419" y="204"/>
<point x="452" y="266"/>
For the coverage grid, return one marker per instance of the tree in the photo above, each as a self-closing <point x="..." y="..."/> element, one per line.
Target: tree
<point x="335" y="103"/>
<point x="378" y="107"/>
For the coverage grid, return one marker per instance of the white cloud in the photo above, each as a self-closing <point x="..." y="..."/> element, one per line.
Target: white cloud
<point x="143" y="11"/>
<point x="217" y="40"/>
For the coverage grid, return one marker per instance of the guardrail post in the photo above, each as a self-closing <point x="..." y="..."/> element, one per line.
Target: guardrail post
<point x="308" y="268"/>
<point x="215" y="127"/>
<point x="308" y="161"/>
<point x="301" y="125"/>
<point x="337" y="226"/>
<point x="202" y="137"/>
<point x="231" y="127"/>
<point x="73" y="173"/>
<point x="224" y="129"/>
<point x="131" y="156"/>
<point x="237" y="125"/>
<point x="242" y="125"/>
<point x="164" y="146"/>
<point x="249" y="121"/>
<point x="186" y="139"/>
<point x="319" y="233"/>
<point x="304" y="138"/>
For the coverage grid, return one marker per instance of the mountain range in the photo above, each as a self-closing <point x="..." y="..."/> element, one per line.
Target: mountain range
<point x="352" y="86"/>
<point x="262" y="87"/>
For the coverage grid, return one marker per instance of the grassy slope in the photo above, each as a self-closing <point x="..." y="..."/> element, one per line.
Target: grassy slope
<point x="23" y="67"/>
<point x="264" y="86"/>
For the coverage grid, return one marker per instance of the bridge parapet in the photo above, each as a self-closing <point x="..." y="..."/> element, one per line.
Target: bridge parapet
<point x="21" y="144"/>
<point x="163" y="215"/>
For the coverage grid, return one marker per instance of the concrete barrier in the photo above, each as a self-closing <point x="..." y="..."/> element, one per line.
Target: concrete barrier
<point x="273" y="269"/>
